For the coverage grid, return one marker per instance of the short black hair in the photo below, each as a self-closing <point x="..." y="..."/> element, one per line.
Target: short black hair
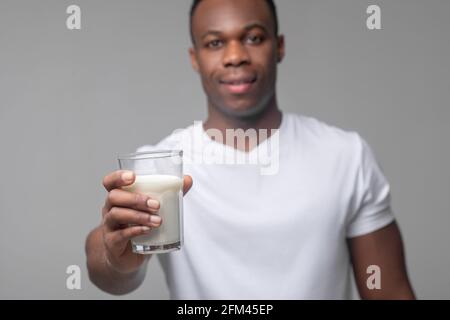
<point x="270" y="3"/>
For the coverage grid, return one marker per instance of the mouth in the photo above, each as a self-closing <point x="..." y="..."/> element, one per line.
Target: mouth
<point x="239" y="85"/>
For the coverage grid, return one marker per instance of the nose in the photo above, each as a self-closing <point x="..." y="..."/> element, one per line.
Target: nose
<point x="235" y="55"/>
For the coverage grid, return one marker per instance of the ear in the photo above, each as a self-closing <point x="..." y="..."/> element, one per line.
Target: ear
<point x="194" y="61"/>
<point x="281" y="48"/>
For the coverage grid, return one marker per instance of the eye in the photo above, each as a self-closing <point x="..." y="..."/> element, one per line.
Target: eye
<point x="214" y="44"/>
<point x="254" y="39"/>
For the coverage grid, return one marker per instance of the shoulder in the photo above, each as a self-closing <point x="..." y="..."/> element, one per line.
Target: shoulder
<point x="175" y="140"/>
<point x="320" y="135"/>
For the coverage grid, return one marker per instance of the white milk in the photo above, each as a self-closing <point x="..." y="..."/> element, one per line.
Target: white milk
<point x="166" y="189"/>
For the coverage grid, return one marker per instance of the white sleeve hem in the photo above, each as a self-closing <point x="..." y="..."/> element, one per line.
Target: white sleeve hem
<point x="383" y="219"/>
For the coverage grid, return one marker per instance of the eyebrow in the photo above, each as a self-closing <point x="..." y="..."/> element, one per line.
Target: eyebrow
<point x="246" y="28"/>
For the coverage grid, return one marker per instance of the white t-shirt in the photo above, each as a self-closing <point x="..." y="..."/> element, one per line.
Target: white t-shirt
<point x="279" y="234"/>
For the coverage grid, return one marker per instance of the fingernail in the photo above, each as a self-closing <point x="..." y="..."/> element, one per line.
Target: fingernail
<point x="146" y="229"/>
<point x="155" y="219"/>
<point x="127" y="176"/>
<point x="153" y="204"/>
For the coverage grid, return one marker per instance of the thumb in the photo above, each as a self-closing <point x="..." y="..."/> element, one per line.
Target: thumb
<point x="187" y="184"/>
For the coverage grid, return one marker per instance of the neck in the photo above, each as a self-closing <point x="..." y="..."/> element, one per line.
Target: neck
<point x="269" y="119"/>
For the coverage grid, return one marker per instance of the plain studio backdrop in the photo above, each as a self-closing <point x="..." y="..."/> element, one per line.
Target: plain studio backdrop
<point x="70" y="100"/>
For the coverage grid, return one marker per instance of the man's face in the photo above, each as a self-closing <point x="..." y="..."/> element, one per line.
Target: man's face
<point x="236" y="53"/>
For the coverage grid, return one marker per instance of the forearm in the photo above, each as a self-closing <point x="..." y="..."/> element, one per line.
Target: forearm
<point x="401" y="291"/>
<point x="101" y="273"/>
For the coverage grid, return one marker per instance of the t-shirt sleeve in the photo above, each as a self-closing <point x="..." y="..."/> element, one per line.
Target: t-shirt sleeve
<point x="371" y="209"/>
<point x="171" y="142"/>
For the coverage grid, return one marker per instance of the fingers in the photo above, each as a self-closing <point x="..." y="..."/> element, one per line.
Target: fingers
<point x="136" y="201"/>
<point x="124" y="208"/>
<point x="118" y="179"/>
<point x="187" y="183"/>
<point x="118" y="240"/>
<point x="125" y="216"/>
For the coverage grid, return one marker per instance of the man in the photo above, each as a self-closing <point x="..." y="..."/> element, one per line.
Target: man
<point x="293" y="234"/>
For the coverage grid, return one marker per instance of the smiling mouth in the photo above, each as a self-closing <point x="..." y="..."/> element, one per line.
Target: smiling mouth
<point x="238" y="86"/>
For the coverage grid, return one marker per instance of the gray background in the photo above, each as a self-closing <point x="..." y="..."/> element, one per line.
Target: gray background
<point x="71" y="100"/>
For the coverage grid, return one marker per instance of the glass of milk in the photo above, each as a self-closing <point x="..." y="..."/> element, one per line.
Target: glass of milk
<point x="159" y="174"/>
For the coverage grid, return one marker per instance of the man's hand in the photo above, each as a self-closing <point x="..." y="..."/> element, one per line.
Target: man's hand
<point x="122" y="209"/>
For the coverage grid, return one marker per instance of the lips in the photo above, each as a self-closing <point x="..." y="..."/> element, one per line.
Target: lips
<point x="239" y="80"/>
<point x="239" y="85"/>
